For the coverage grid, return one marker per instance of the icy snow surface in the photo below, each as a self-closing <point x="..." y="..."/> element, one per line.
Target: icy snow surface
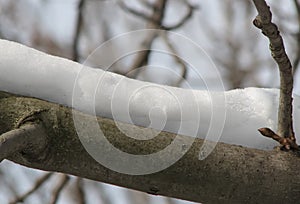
<point x="29" y="72"/>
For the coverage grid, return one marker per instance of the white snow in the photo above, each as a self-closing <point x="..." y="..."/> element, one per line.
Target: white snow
<point x="236" y="114"/>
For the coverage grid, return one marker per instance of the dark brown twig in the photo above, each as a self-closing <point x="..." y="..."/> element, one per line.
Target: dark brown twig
<point x="78" y="28"/>
<point x="264" y="22"/>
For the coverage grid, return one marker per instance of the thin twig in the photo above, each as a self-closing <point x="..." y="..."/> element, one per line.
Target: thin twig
<point x="156" y="23"/>
<point x="139" y="14"/>
<point x="57" y="191"/>
<point x="31" y="136"/>
<point x="35" y="187"/>
<point x="188" y="15"/>
<point x="264" y="22"/>
<point x="78" y="28"/>
<point x="177" y="58"/>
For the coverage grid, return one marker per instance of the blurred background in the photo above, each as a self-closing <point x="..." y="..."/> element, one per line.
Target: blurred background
<point x="202" y="43"/>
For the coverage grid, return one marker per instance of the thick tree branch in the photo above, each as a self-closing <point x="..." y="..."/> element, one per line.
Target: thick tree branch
<point x="264" y="22"/>
<point x="230" y="174"/>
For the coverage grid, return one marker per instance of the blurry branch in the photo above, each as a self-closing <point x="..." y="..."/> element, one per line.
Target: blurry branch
<point x="263" y="21"/>
<point x="138" y="13"/>
<point x="236" y="70"/>
<point x="57" y="191"/>
<point x="188" y="15"/>
<point x="35" y="187"/>
<point x="297" y="58"/>
<point x="28" y="136"/>
<point x="78" y="28"/>
<point x="155" y="22"/>
<point x="177" y="58"/>
<point x="80" y="195"/>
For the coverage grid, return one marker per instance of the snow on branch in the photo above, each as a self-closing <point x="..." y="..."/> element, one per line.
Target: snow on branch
<point x="28" y="72"/>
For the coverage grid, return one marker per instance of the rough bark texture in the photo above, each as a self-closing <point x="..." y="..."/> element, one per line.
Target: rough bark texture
<point x="231" y="174"/>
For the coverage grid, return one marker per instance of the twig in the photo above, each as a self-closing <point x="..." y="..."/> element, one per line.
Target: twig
<point x="287" y="143"/>
<point x="57" y="191"/>
<point x="188" y="15"/>
<point x="264" y="22"/>
<point x="35" y="187"/>
<point x="177" y="58"/>
<point x="137" y="13"/>
<point x="31" y="136"/>
<point x="156" y="23"/>
<point x="77" y="31"/>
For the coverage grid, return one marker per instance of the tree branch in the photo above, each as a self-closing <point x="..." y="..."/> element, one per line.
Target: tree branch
<point x="231" y="173"/>
<point x="264" y="22"/>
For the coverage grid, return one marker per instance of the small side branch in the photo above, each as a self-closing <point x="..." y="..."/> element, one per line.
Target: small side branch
<point x="287" y="143"/>
<point x="263" y="21"/>
<point x="31" y="136"/>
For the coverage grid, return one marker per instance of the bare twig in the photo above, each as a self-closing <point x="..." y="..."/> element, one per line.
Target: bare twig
<point x="35" y="187"/>
<point x="188" y="15"/>
<point x="137" y="13"/>
<point x="78" y="28"/>
<point x="154" y="23"/>
<point x="264" y="22"/>
<point x="64" y="178"/>
<point x="177" y="58"/>
<point x="27" y="136"/>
